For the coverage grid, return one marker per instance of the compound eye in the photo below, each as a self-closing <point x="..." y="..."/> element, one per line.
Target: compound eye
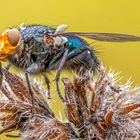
<point x="13" y="36"/>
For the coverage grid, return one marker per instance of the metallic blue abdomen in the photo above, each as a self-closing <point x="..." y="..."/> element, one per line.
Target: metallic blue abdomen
<point x="75" y="42"/>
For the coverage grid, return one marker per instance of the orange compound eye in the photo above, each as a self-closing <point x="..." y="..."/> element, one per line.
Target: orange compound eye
<point x="8" y="42"/>
<point x="13" y="36"/>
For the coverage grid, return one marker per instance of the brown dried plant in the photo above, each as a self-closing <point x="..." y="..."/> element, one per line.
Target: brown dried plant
<point x="98" y="108"/>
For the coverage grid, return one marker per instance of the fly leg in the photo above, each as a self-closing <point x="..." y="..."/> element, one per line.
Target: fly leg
<point x="48" y="84"/>
<point x="28" y="50"/>
<point x="8" y="66"/>
<point x="13" y="136"/>
<point x="58" y="74"/>
<point x="1" y="74"/>
<point x="31" y="93"/>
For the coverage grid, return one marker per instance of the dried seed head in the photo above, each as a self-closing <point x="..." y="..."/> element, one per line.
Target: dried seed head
<point x="111" y="112"/>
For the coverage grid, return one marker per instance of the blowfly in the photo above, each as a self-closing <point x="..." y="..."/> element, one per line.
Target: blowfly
<point x="40" y="48"/>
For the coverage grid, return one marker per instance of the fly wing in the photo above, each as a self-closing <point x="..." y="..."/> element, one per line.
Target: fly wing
<point x="107" y="37"/>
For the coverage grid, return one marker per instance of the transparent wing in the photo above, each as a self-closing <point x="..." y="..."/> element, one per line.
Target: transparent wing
<point x="108" y="37"/>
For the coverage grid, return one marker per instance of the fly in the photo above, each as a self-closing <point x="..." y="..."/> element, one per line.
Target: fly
<point x="39" y="48"/>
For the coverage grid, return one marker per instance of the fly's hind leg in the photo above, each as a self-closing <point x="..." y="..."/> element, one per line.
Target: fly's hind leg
<point x="58" y="74"/>
<point x="31" y="93"/>
<point x="48" y="84"/>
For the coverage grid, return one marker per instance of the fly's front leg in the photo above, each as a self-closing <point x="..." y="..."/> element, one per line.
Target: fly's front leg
<point x="1" y="74"/>
<point x="8" y="66"/>
<point x="31" y="93"/>
<point x="58" y="74"/>
<point x="48" y="84"/>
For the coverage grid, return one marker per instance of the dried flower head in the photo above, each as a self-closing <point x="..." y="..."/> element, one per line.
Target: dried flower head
<point x="96" y="109"/>
<point x="110" y="113"/>
<point x="16" y="112"/>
